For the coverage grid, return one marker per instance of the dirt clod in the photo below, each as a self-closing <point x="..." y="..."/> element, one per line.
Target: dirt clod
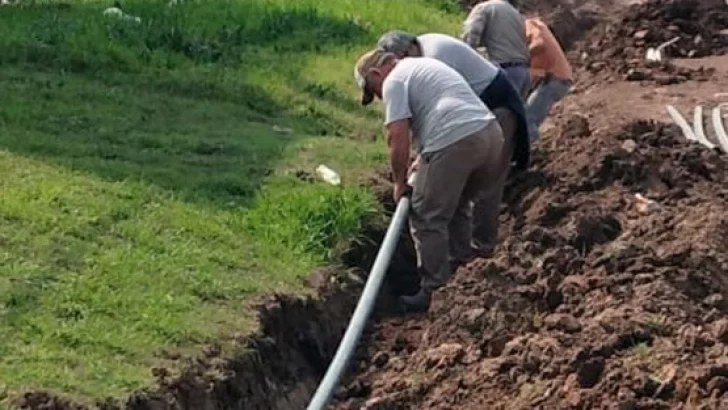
<point x="563" y="322"/>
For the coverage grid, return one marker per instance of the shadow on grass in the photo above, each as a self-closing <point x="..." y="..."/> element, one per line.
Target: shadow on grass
<point x="166" y="101"/>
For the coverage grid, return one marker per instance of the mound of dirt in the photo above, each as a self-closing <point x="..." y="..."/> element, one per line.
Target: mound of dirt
<point x="569" y="20"/>
<point x="593" y="301"/>
<point x="692" y="28"/>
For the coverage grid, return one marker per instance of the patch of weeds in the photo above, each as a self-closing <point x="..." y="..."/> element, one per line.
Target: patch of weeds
<point x="645" y="357"/>
<point x="538" y="320"/>
<point x="529" y="395"/>
<point x="310" y="218"/>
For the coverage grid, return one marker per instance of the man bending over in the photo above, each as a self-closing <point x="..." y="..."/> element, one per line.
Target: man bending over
<point x="490" y="83"/>
<point x="460" y="143"/>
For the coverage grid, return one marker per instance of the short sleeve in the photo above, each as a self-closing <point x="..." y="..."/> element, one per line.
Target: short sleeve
<point x="396" y="101"/>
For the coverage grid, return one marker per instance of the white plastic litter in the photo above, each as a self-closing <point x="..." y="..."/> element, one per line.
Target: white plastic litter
<point x="282" y="130"/>
<point x="655" y="54"/>
<point x="328" y="175"/>
<point x="117" y="13"/>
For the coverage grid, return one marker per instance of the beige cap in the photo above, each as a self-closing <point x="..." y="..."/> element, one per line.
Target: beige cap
<point x="368" y="61"/>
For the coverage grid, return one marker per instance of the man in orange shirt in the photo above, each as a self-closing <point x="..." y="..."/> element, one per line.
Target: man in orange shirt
<point x="551" y="73"/>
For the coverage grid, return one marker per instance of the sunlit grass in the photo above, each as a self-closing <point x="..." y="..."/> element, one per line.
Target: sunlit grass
<point x="152" y="182"/>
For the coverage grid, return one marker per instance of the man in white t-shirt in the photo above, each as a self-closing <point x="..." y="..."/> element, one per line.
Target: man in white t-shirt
<point x="496" y="91"/>
<point x="460" y="143"/>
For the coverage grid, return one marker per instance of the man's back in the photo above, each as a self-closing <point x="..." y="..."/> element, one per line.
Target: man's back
<point x="442" y="106"/>
<point x="476" y="70"/>
<point x="498" y="26"/>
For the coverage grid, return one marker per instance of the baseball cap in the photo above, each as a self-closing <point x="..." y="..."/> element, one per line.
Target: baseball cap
<point x="368" y="61"/>
<point x="396" y="42"/>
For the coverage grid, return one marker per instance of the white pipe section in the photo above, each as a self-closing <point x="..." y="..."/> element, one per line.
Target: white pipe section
<point x="363" y="309"/>
<point x="682" y="123"/>
<point x="699" y="130"/>
<point x="719" y="129"/>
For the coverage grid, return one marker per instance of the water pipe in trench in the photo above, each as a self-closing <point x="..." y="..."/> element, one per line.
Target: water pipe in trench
<point x="364" y="308"/>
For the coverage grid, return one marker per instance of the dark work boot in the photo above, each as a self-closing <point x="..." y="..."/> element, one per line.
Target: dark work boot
<point x="484" y="252"/>
<point x="417" y="303"/>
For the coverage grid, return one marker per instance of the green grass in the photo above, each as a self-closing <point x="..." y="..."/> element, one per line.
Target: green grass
<point x="145" y="197"/>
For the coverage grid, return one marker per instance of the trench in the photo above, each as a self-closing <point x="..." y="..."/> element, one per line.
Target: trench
<point x="282" y="364"/>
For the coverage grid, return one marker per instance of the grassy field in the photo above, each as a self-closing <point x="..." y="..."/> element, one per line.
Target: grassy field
<point x="147" y="192"/>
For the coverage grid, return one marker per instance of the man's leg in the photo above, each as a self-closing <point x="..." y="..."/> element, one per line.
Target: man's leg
<point x="436" y="198"/>
<point x="486" y="209"/>
<point x="461" y="233"/>
<point x="540" y="102"/>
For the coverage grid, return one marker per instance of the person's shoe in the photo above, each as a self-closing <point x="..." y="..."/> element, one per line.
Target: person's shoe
<point x="455" y="264"/>
<point x="485" y="253"/>
<point x="417" y="303"/>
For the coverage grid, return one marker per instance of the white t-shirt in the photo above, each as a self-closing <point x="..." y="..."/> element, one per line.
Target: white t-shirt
<point x="440" y="103"/>
<point x="478" y="71"/>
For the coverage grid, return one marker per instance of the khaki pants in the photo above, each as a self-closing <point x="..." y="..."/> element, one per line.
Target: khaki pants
<point x="486" y="209"/>
<point x="447" y="182"/>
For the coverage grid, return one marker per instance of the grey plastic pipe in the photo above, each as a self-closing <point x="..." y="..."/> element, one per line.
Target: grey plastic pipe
<point x="363" y="309"/>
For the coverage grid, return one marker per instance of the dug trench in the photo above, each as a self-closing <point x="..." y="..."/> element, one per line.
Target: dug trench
<point x="279" y="367"/>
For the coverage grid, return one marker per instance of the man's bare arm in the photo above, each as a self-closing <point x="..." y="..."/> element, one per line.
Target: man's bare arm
<point x="398" y="141"/>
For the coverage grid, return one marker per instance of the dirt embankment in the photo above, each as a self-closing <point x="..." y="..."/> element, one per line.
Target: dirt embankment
<point x="280" y="371"/>
<point x="590" y="303"/>
<point x="594" y="301"/>
<point x="688" y="28"/>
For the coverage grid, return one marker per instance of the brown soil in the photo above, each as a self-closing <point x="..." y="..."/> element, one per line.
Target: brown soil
<point x="618" y="46"/>
<point x="590" y="303"/>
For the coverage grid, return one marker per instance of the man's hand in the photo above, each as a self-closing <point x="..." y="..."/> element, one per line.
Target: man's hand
<point x="400" y="190"/>
<point x="414" y="166"/>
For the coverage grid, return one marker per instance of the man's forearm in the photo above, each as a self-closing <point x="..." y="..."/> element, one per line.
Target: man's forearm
<point x="398" y="141"/>
<point x="399" y="161"/>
